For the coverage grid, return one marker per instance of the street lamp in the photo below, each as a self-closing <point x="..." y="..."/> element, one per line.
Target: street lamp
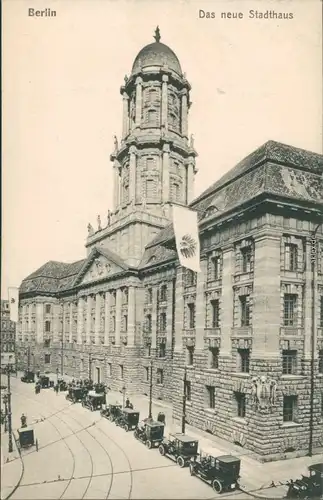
<point x="314" y="244"/>
<point x="5" y="402"/>
<point x="123" y="395"/>
<point x="150" y="388"/>
<point x="184" y="401"/>
<point x="57" y="371"/>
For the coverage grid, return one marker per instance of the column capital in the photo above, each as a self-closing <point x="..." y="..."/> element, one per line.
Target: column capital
<point x="133" y="150"/>
<point x="125" y="96"/>
<point x="166" y="148"/>
<point x="165" y="78"/>
<point x="139" y="80"/>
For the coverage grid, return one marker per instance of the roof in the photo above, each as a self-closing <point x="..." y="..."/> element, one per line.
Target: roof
<point x="184" y="438"/>
<point x="228" y="459"/>
<point x="129" y="410"/>
<point x="274" y="168"/>
<point x="156" y="54"/>
<point x="316" y="467"/>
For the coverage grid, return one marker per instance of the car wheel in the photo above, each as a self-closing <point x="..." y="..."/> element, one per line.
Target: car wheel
<point x="192" y="470"/>
<point x="180" y="461"/>
<point x="126" y="427"/>
<point x="111" y="418"/>
<point x="149" y="444"/>
<point x="135" y="434"/>
<point x="162" y="450"/>
<point x="217" y="486"/>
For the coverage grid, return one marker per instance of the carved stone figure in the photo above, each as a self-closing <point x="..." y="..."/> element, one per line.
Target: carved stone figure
<point x="90" y="229"/>
<point x="192" y="141"/>
<point x="126" y="79"/>
<point x="116" y="145"/>
<point x="263" y="392"/>
<point x="99" y="223"/>
<point x="99" y="266"/>
<point x="107" y="268"/>
<point x="109" y="217"/>
<point x="157" y="34"/>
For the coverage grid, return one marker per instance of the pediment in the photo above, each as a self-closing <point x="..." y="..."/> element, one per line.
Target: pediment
<point x="99" y="266"/>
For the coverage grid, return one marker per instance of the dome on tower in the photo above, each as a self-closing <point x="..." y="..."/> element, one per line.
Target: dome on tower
<point x="156" y="54"/>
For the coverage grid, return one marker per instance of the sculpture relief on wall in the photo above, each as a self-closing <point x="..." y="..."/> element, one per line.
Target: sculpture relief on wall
<point x="263" y="392"/>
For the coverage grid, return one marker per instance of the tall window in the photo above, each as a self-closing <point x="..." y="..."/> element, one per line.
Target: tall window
<point x="109" y="369"/>
<point x="187" y="388"/>
<point x="121" y="371"/>
<point x="125" y="322"/>
<point x="146" y="374"/>
<point x="290" y="302"/>
<point x="243" y="360"/>
<point x="163" y="293"/>
<point x="291" y="257"/>
<point x="320" y="367"/>
<point x="149" y="296"/>
<point x="215" y="270"/>
<point x="162" y="322"/>
<point x="211" y="396"/>
<point x="150" y="163"/>
<point x="47" y="308"/>
<point x="152" y="117"/>
<point x="148" y="323"/>
<point x="245" y="310"/>
<point x="321" y="311"/>
<point x="47" y="343"/>
<point x="289" y="408"/>
<point x="191" y="315"/>
<point x="246" y="256"/>
<point x="150" y="185"/>
<point x="190" y="277"/>
<point x="162" y="350"/>
<point x="190" y="355"/>
<point x="152" y="95"/>
<point x="241" y="404"/>
<point x="113" y="323"/>
<point x="214" y="357"/>
<point x="47" y="358"/>
<point x="160" y="376"/>
<point x="47" y="326"/>
<point x="289" y="362"/>
<point x="215" y="305"/>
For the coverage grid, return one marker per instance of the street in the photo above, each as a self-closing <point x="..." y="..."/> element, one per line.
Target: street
<point x="82" y="455"/>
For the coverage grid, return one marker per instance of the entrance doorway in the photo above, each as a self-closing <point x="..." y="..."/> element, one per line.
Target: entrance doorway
<point x="98" y="374"/>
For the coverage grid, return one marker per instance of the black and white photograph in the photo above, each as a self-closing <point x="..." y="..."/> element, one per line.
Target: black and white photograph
<point x="162" y="250"/>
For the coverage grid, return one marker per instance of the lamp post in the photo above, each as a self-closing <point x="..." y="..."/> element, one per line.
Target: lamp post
<point x="150" y="389"/>
<point x="57" y="371"/>
<point x="90" y="366"/>
<point x="62" y="341"/>
<point x="184" y="401"/>
<point x="123" y="396"/>
<point x="5" y="402"/>
<point x="314" y="244"/>
<point x="9" y="412"/>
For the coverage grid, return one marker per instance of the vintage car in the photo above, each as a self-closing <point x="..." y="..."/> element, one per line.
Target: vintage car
<point x="44" y="382"/>
<point x="309" y="486"/>
<point x="222" y="473"/>
<point x="128" y="419"/>
<point x="28" y="377"/>
<point x="100" y="388"/>
<point x="150" y="432"/>
<point x="26" y="437"/>
<point x="75" y="394"/>
<point x="62" y="385"/>
<point x="93" y="401"/>
<point x="180" y="448"/>
<point x="111" y="412"/>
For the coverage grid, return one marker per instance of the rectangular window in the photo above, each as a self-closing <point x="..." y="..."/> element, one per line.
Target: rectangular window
<point x="215" y="305"/>
<point x="245" y="310"/>
<point x="190" y="278"/>
<point x="321" y="312"/>
<point x="215" y="268"/>
<point x="152" y="117"/>
<point x="109" y="369"/>
<point x="148" y="323"/>
<point x="214" y="358"/>
<point x="47" y="343"/>
<point x="163" y="293"/>
<point x="47" y="326"/>
<point x="149" y="296"/>
<point x="146" y="374"/>
<point x="150" y="185"/>
<point x="241" y="404"/>
<point x="47" y="358"/>
<point x="162" y="350"/>
<point x="290" y="303"/>
<point x="243" y="360"/>
<point x="125" y="322"/>
<point x="246" y="259"/>
<point x="289" y="362"/>
<point x="148" y="350"/>
<point x="211" y="396"/>
<point x="47" y="308"/>
<point x="291" y="257"/>
<point x="320" y="367"/>
<point x="162" y="322"/>
<point x="190" y="355"/>
<point x="113" y="323"/>
<point x="289" y="408"/>
<point x="187" y="389"/>
<point x="191" y="315"/>
<point x="121" y="371"/>
<point x="160" y="376"/>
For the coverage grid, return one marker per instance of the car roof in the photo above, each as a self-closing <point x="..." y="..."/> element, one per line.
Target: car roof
<point x="317" y="467"/>
<point x="228" y="459"/>
<point x="25" y="429"/>
<point x="183" y="437"/>
<point x="129" y="410"/>
<point x="154" y="423"/>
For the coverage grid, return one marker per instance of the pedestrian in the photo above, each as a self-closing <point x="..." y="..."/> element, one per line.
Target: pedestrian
<point x="127" y="403"/>
<point x="36" y="444"/>
<point x="23" y="420"/>
<point x="56" y="389"/>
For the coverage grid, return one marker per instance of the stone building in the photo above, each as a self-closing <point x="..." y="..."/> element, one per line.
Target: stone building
<point x="241" y="329"/>
<point x="8" y="336"/>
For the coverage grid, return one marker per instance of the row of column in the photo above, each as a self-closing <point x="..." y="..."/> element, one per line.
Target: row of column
<point x="169" y="315"/>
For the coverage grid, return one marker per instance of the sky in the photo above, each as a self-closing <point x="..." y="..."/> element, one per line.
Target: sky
<point x="252" y="80"/>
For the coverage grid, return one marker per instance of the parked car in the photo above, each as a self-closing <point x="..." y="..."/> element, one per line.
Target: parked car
<point x="222" y="473"/>
<point x="76" y="394"/>
<point x="180" y="448"/>
<point x="150" y="432"/>
<point x="28" y="377"/>
<point x="44" y="382"/>
<point x="308" y="486"/>
<point x="26" y="437"/>
<point x="112" y="412"/>
<point x="93" y="401"/>
<point x="128" y="419"/>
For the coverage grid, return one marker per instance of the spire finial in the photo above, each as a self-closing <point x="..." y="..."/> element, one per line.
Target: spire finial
<point x="157" y="34"/>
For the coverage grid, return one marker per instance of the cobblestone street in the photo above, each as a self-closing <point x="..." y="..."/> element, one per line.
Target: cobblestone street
<point x="82" y="455"/>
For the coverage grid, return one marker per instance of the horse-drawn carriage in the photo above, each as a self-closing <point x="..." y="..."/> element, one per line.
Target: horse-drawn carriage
<point x="94" y="401"/>
<point x="127" y="419"/>
<point x="150" y="432"/>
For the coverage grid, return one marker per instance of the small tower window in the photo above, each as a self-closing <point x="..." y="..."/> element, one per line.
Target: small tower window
<point x="176" y="192"/>
<point x="152" y="95"/>
<point x="152" y="117"/>
<point x="150" y="188"/>
<point x="150" y="163"/>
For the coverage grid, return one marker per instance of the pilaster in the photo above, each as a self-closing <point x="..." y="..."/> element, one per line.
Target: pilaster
<point x="179" y="308"/>
<point x="165" y="170"/>
<point x="200" y="306"/>
<point x="169" y="328"/>
<point x="164" y="102"/>
<point x="190" y="180"/>
<point x="125" y="120"/>
<point x="107" y="318"/>
<point x="154" y="319"/>
<point x="71" y="322"/>
<point x="132" y="173"/>
<point x="184" y="114"/>
<point x="88" y="318"/>
<point x="131" y="316"/>
<point x="118" y="316"/>
<point x="80" y="306"/>
<point x="227" y="301"/>
<point x="116" y="186"/>
<point x="138" y="100"/>
<point x="56" y="321"/>
<point x="308" y="302"/>
<point x="39" y="322"/>
<point x="98" y="299"/>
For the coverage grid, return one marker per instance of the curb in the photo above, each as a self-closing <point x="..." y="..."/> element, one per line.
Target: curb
<point x="21" y="472"/>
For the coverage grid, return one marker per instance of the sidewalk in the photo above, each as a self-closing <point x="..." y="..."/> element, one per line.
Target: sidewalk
<point x="255" y="475"/>
<point x="11" y="466"/>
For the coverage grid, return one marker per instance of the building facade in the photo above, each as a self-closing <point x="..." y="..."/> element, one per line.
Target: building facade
<point x="8" y="336"/>
<point x="245" y="330"/>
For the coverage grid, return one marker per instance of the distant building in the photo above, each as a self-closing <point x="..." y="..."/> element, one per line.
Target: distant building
<point x="8" y="336"/>
<point x="242" y="327"/>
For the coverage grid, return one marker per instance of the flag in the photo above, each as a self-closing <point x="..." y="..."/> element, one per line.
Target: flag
<point x="13" y="293"/>
<point x="187" y="237"/>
